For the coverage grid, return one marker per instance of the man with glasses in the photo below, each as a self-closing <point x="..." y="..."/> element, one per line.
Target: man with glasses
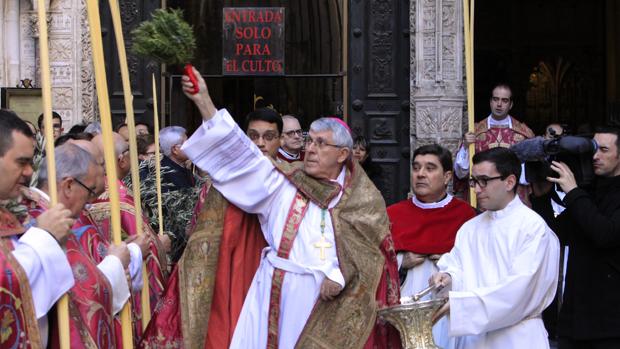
<point x="153" y="247"/>
<point x="56" y="124"/>
<point x="176" y="175"/>
<point x="101" y="288"/>
<point x="503" y="269"/>
<point x="264" y="127"/>
<point x="305" y="293"/>
<point x="291" y="142"/>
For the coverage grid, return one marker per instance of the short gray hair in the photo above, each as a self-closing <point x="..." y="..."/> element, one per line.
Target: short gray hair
<point x="93" y="128"/>
<point x="71" y="161"/>
<point x="169" y="137"/>
<point x="342" y="136"/>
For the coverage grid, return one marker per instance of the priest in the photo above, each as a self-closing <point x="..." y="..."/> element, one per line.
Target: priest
<point x="35" y="270"/>
<point x="306" y="292"/>
<point x="424" y="227"/>
<point x="503" y="269"/>
<point x="499" y="129"/>
<point x="100" y="289"/>
<point x="154" y="254"/>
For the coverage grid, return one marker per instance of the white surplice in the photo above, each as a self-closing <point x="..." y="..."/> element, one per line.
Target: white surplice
<point x="48" y="271"/>
<point x="504" y="268"/>
<point x="249" y="180"/>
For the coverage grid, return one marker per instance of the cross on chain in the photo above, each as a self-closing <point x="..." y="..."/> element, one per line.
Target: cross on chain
<point x="322" y="245"/>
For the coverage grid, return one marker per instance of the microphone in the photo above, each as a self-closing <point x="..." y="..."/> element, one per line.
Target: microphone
<point x="539" y="149"/>
<point x="532" y="149"/>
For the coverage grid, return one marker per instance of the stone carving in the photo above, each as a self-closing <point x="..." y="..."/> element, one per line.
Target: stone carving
<point x="62" y="97"/>
<point x="87" y="78"/>
<point x="437" y="86"/>
<point x="61" y="50"/>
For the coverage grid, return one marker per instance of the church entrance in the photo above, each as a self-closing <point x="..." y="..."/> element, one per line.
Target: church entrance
<point x="561" y="58"/>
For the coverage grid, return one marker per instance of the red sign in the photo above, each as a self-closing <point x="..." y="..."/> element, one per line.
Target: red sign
<point x="253" y="41"/>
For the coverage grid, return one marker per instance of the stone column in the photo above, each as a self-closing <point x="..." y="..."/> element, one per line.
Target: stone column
<point x="437" y="65"/>
<point x="72" y="86"/>
<point x="10" y="55"/>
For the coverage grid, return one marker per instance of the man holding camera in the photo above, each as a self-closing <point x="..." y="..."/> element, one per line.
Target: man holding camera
<point x="590" y="225"/>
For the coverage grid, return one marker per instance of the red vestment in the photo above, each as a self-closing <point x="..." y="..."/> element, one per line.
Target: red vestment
<point x="493" y="137"/>
<point x="427" y="231"/>
<point x="226" y="269"/>
<point x="90" y="300"/>
<point x="18" y="321"/>
<point x="156" y="261"/>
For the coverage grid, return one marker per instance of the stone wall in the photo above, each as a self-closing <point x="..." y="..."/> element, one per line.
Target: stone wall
<point x="69" y="42"/>
<point x="437" y="80"/>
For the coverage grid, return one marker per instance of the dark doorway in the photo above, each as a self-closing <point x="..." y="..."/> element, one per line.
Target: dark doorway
<point x="312" y="84"/>
<point x="552" y="53"/>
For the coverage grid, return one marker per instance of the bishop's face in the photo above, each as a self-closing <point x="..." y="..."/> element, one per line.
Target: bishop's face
<point x="429" y="179"/>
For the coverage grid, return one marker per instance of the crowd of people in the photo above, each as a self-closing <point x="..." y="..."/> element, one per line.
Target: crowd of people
<point x="275" y="237"/>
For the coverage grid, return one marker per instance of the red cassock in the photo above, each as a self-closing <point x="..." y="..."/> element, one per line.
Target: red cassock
<point x="90" y="300"/>
<point x="427" y="231"/>
<point x="18" y="321"/>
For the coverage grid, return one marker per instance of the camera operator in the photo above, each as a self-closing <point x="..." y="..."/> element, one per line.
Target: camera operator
<point x="590" y="225"/>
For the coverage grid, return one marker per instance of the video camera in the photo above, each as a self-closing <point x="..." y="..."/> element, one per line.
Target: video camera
<point x="575" y="151"/>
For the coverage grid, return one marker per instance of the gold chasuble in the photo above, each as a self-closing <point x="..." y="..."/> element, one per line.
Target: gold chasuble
<point x="361" y="227"/>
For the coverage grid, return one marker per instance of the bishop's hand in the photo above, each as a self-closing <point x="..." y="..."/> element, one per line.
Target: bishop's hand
<point x="202" y="99"/>
<point x="329" y="290"/>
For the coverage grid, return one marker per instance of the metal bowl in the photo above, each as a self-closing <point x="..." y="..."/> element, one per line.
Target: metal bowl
<point x="413" y="321"/>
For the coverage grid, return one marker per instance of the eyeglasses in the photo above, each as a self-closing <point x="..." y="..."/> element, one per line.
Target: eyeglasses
<point x="267" y="136"/>
<point x="483" y="181"/>
<point x="320" y="143"/>
<point x="91" y="192"/>
<point x="292" y="133"/>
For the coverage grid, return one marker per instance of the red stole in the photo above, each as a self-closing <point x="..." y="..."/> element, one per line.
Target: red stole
<point x="18" y="321"/>
<point x="427" y="231"/>
<point x="90" y="299"/>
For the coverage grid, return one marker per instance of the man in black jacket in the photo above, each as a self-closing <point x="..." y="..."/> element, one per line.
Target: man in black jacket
<point x="590" y="225"/>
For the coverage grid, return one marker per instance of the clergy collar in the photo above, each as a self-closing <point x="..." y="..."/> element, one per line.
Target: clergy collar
<point x="512" y="205"/>
<point x="288" y="155"/>
<point x="439" y="204"/>
<point x="506" y="122"/>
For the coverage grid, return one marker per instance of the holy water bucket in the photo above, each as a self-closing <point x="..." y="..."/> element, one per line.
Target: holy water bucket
<point x="413" y="321"/>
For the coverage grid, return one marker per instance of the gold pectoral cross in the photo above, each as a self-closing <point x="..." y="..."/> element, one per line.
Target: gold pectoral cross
<point x="322" y="245"/>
